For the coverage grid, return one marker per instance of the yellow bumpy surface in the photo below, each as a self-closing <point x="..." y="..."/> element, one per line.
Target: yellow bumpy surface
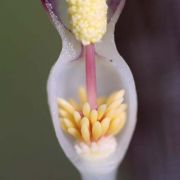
<point x="88" y="125"/>
<point x="88" y="19"/>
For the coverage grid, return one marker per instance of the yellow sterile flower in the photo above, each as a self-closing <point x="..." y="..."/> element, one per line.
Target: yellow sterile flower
<point x="91" y="125"/>
<point x="88" y="19"/>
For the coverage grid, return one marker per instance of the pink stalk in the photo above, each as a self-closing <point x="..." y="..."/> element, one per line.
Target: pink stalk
<point x="91" y="75"/>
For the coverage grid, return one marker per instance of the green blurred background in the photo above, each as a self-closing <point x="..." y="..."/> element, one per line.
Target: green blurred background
<point x="29" y="46"/>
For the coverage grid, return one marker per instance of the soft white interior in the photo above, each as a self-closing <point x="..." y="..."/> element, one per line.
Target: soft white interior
<point x="111" y="76"/>
<point x="72" y="76"/>
<point x="67" y="75"/>
<point x="96" y="150"/>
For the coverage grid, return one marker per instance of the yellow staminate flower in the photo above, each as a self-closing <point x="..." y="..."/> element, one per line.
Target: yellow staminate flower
<point x="91" y="125"/>
<point x="68" y="123"/>
<point x="86" y="109"/>
<point x="85" y="132"/>
<point x="96" y="130"/>
<point x="101" y="101"/>
<point x="74" y="132"/>
<point x="105" y="125"/>
<point x="74" y="104"/>
<point x="88" y="19"/>
<point x="77" y="118"/>
<point x="101" y="111"/>
<point x="66" y="105"/>
<point x="116" y="96"/>
<point x="93" y="116"/>
<point x="82" y="95"/>
<point x="63" y="113"/>
<point x="114" y="125"/>
<point x="63" y="126"/>
<point x="85" y="120"/>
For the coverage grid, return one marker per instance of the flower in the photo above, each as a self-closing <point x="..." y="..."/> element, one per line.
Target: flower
<point x="93" y="121"/>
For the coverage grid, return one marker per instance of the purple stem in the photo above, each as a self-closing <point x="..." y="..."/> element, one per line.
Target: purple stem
<point x="91" y="75"/>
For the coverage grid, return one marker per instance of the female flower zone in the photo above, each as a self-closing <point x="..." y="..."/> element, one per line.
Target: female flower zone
<point x="91" y="90"/>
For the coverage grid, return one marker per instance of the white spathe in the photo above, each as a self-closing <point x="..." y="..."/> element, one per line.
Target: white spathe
<point x="68" y="74"/>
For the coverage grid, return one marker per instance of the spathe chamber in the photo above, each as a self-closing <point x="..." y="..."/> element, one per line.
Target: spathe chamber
<point x="113" y="74"/>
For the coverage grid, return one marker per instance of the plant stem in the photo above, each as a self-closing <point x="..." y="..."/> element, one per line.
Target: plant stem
<point x="91" y="75"/>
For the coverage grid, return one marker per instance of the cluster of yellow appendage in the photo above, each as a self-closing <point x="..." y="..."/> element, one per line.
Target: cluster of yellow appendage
<point x="88" y="19"/>
<point x="88" y="125"/>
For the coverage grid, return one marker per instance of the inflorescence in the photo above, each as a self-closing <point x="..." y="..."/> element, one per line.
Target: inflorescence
<point x="89" y="125"/>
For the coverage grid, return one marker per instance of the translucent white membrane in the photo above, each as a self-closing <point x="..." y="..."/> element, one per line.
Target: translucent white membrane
<point x="72" y="75"/>
<point x="112" y="74"/>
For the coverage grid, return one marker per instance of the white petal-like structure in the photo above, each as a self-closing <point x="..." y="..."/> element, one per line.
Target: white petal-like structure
<point x="68" y="74"/>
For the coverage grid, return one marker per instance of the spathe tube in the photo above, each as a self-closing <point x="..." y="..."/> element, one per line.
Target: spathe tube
<point x="112" y="73"/>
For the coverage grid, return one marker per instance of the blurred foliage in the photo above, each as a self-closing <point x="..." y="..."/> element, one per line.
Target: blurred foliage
<point x="29" y="45"/>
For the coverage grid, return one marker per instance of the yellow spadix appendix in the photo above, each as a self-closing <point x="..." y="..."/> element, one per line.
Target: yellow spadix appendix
<point x="88" y="19"/>
<point x="89" y="125"/>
